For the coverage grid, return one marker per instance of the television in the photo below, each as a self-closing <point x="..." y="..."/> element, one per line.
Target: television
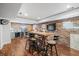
<point x="51" y="27"/>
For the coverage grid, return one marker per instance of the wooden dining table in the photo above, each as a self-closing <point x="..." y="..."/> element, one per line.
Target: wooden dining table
<point x="44" y="35"/>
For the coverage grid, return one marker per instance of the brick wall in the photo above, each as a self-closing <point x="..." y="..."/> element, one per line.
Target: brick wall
<point x="65" y="33"/>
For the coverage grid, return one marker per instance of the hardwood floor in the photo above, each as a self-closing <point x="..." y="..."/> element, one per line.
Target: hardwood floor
<point x="17" y="48"/>
<point x="66" y="51"/>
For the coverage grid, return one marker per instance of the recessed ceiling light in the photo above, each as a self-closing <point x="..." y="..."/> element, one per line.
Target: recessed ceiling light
<point x="68" y="6"/>
<point x="38" y="17"/>
<point x="25" y="14"/>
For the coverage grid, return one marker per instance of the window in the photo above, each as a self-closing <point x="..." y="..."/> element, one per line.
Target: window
<point x="67" y="25"/>
<point x="70" y="25"/>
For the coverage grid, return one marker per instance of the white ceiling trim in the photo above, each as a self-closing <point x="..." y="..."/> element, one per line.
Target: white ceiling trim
<point x="62" y="16"/>
<point x="23" y="21"/>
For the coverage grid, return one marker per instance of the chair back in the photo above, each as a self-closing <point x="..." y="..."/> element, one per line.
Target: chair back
<point x="51" y="37"/>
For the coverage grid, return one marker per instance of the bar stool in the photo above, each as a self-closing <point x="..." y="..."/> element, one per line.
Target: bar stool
<point x="41" y="49"/>
<point x="52" y="44"/>
<point x="56" y="37"/>
<point x="32" y="45"/>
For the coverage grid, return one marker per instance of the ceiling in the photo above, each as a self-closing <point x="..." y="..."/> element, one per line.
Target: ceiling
<point x="9" y="10"/>
<point x="36" y="11"/>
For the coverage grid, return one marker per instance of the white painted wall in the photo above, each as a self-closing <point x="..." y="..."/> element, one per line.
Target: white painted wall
<point x="4" y="34"/>
<point x="0" y="35"/>
<point x="74" y="41"/>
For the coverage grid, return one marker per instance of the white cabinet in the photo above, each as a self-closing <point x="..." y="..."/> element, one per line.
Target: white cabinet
<point x="74" y="41"/>
<point x="4" y="34"/>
